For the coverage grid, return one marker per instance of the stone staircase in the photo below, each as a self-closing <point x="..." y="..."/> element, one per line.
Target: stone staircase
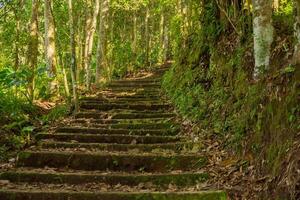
<point x="124" y="144"/>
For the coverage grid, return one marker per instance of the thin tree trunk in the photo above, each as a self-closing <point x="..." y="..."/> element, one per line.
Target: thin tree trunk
<point x="166" y="43"/>
<point x="73" y="56"/>
<point x="147" y="36"/>
<point x="32" y="51"/>
<point x="91" y="28"/>
<point x="276" y="5"/>
<point x="162" y="36"/>
<point x="66" y="84"/>
<point x="102" y="42"/>
<point x="134" y="39"/>
<point x="263" y="35"/>
<point x="50" y="49"/>
<point x="296" y="59"/>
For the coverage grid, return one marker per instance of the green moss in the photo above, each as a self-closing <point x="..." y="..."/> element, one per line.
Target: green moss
<point x="24" y="155"/>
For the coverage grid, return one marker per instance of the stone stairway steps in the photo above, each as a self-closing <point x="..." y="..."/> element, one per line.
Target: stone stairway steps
<point x="175" y="147"/>
<point x="120" y="121"/>
<point x="116" y="139"/>
<point x="134" y="126"/>
<point x="111" y="106"/>
<point x="124" y="131"/>
<point x="111" y="161"/>
<point x="99" y="115"/>
<point x="37" y="193"/>
<point x="134" y="85"/>
<point x="124" y="144"/>
<point x="53" y="176"/>
<point x="124" y="96"/>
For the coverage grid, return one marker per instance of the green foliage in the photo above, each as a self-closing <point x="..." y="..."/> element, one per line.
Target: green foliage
<point x="209" y="84"/>
<point x="56" y="113"/>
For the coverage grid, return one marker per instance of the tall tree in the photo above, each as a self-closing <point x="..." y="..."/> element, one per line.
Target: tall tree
<point x="263" y="35"/>
<point x="147" y="34"/>
<point x="102" y="62"/>
<point x="73" y="55"/>
<point x="50" y="49"/>
<point x="32" y="51"/>
<point x="90" y="30"/>
<point x="296" y="58"/>
<point x="17" y="14"/>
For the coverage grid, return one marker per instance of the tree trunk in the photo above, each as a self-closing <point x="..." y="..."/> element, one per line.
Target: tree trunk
<point x="164" y="37"/>
<point x="32" y="51"/>
<point x="50" y="49"/>
<point x="263" y="35"/>
<point x="134" y="39"/>
<point x="17" y="13"/>
<point x="166" y="43"/>
<point x="102" y="42"/>
<point x="296" y="59"/>
<point x="65" y="77"/>
<point x="276" y="5"/>
<point x="91" y="28"/>
<point x="73" y="56"/>
<point x="147" y="36"/>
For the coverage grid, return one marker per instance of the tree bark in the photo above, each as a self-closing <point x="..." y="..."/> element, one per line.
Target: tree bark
<point x="50" y="48"/>
<point x="65" y="77"/>
<point x="101" y="64"/>
<point x="263" y="35"/>
<point x="296" y="57"/>
<point x="147" y="35"/>
<point x="32" y="51"/>
<point x="17" y="13"/>
<point x="134" y="39"/>
<point x="73" y="55"/>
<point x="91" y="28"/>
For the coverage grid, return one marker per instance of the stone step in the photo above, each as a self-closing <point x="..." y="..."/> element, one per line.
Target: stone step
<point x="125" y="96"/>
<point x="111" y="161"/>
<point x="141" y="115"/>
<point x="116" y="139"/>
<point x="108" y="131"/>
<point x="138" y="81"/>
<point x="120" y="121"/>
<point x="53" y="176"/>
<point x="124" y="101"/>
<point x="174" y="147"/>
<point x="130" y="126"/>
<point x="137" y="90"/>
<point x="135" y="106"/>
<point x="39" y="194"/>
<point x="130" y="84"/>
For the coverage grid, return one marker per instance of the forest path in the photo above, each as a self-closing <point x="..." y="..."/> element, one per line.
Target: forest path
<point x="123" y="144"/>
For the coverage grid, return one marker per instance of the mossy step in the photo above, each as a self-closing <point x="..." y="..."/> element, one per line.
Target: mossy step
<point x="99" y="115"/>
<point x="134" y="84"/>
<point x="142" y="125"/>
<point x="79" y="177"/>
<point x="61" y="195"/>
<point x="175" y="147"/>
<point x="125" y="95"/>
<point x="111" y="162"/>
<point x="137" y="81"/>
<point x="135" y="106"/>
<point x="136" y="90"/>
<point x="124" y="101"/>
<point x="124" y="131"/>
<point x="120" y="121"/>
<point x="116" y="139"/>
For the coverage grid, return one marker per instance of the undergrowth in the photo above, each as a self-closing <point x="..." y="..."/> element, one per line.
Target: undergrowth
<point x="210" y="83"/>
<point x="20" y="120"/>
